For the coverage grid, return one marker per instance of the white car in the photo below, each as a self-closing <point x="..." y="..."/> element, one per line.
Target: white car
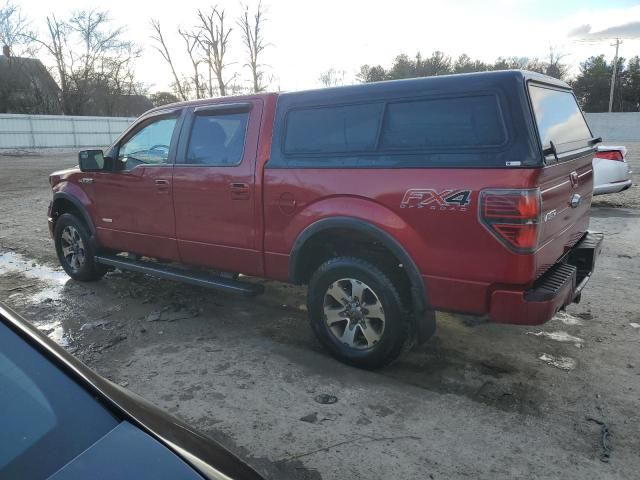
<point x="611" y="172"/>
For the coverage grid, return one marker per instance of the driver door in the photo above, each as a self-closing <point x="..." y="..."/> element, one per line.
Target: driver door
<point x="134" y="201"/>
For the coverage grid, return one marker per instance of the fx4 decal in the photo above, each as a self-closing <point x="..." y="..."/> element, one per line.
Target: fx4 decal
<point x="449" y="199"/>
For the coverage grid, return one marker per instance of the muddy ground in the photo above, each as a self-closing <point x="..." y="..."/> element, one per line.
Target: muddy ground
<point x="477" y="401"/>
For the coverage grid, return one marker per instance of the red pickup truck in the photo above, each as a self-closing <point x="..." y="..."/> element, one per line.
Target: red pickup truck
<point x="391" y="200"/>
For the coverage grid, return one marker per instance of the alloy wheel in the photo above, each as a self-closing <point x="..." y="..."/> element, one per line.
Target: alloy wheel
<point x="73" y="249"/>
<point x="354" y="314"/>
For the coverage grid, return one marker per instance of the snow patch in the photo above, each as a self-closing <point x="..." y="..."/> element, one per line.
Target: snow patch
<point x="563" y="363"/>
<point x="560" y="337"/>
<point x="567" y="319"/>
<point x="11" y="262"/>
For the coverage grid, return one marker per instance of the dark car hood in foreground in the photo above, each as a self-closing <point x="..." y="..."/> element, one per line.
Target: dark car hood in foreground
<point x="208" y="457"/>
<point x="126" y="452"/>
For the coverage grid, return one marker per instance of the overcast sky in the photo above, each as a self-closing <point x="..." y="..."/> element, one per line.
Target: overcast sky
<point x="311" y="36"/>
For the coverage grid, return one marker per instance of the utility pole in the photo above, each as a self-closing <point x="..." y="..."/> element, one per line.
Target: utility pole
<point x="613" y="75"/>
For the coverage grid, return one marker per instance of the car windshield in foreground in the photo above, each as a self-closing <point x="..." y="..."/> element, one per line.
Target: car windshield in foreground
<point x="46" y="419"/>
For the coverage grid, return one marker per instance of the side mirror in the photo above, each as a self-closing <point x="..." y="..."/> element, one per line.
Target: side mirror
<point x="92" y="160"/>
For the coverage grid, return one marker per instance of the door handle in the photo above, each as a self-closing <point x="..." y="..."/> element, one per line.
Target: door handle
<point x="239" y="191"/>
<point x="162" y="185"/>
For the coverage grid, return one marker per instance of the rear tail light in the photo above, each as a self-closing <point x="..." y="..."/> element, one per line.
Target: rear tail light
<point x="512" y="216"/>
<point x="611" y="155"/>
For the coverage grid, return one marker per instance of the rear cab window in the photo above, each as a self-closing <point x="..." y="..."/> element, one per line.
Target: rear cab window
<point x="217" y="139"/>
<point x="560" y="121"/>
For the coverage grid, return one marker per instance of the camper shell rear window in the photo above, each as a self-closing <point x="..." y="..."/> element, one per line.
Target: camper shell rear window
<point x="559" y="118"/>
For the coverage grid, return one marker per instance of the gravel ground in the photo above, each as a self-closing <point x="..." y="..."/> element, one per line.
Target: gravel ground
<point x="481" y="401"/>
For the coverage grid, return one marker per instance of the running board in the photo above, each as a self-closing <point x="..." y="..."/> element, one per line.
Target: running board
<point x="167" y="272"/>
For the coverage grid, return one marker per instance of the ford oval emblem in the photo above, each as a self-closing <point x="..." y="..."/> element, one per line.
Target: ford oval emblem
<point x="575" y="200"/>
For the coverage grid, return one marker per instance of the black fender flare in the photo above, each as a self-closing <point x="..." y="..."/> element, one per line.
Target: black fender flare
<point x="418" y="292"/>
<point x="79" y="206"/>
<point x="424" y="318"/>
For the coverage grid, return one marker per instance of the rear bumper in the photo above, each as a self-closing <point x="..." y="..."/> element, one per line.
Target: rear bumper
<point x="613" y="187"/>
<point x="557" y="288"/>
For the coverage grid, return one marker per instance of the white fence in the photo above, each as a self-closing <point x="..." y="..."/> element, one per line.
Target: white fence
<point x="53" y="131"/>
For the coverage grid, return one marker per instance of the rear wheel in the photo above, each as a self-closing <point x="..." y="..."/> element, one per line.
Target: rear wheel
<point x="356" y="312"/>
<point x="74" y="250"/>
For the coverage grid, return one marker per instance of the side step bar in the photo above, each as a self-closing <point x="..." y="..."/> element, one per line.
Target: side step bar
<point x="167" y="272"/>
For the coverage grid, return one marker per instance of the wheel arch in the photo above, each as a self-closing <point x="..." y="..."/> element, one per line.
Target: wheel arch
<point x="65" y="203"/>
<point x="419" y="298"/>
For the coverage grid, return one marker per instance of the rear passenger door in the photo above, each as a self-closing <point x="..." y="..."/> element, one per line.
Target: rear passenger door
<point x="214" y="187"/>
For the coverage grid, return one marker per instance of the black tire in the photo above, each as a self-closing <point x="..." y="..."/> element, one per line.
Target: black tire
<point x="396" y="332"/>
<point x="87" y="270"/>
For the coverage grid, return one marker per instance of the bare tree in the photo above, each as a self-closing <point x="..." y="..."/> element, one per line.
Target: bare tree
<point x="25" y="84"/>
<point x="55" y="46"/>
<point x="554" y="66"/>
<point x="161" y="47"/>
<point x="253" y="38"/>
<point x="15" y="29"/>
<point x="192" y="42"/>
<point x="93" y="62"/>
<point x="101" y="65"/>
<point x="215" y="41"/>
<point x="332" y="78"/>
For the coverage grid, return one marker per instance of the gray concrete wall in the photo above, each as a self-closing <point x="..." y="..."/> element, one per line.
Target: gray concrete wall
<point x="51" y="131"/>
<point x="615" y="126"/>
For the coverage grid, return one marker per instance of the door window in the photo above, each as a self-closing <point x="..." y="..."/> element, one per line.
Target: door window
<point x="217" y="140"/>
<point x="148" y="146"/>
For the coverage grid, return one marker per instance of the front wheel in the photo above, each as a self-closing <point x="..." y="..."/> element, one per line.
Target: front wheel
<point x="356" y="313"/>
<point x="74" y="250"/>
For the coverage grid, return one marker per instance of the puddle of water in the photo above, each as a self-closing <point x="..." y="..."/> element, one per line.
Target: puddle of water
<point x="11" y="262"/>
<point x="563" y="363"/>
<point x="567" y="319"/>
<point x="48" y="293"/>
<point x="55" y="332"/>
<point x="49" y="288"/>
<point x="55" y="279"/>
<point x="560" y="337"/>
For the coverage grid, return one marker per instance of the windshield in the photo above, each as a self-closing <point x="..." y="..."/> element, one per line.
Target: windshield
<point x="559" y="118"/>
<point x="47" y="419"/>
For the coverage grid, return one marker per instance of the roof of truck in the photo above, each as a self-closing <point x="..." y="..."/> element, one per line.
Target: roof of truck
<point x="460" y="81"/>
